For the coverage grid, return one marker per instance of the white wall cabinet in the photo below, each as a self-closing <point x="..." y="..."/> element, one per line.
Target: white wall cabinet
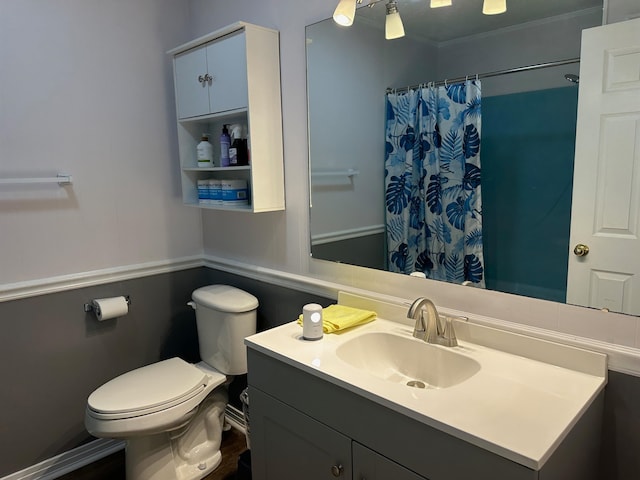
<point x="231" y="76"/>
<point x="212" y="78"/>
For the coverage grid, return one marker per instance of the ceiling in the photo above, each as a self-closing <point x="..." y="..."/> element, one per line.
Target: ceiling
<point x="465" y="18"/>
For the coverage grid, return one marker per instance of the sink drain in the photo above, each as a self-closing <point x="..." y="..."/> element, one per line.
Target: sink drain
<point x="416" y="384"/>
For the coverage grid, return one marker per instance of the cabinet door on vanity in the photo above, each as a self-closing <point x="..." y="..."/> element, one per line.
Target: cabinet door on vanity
<point x="369" y="465"/>
<point x="212" y="78"/>
<point x="288" y="445"/>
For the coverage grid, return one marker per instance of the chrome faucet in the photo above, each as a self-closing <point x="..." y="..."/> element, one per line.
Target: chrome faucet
<point x="432" y="331"/>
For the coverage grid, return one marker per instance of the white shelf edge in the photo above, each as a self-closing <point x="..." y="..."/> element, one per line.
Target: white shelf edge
<point x="217" y="169"/>
<point x="215" y="115"/>
<point x="229" y="208"/>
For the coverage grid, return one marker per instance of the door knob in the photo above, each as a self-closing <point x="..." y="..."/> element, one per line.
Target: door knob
<point x="337" y="470"/>
<point x="581" y="250"/>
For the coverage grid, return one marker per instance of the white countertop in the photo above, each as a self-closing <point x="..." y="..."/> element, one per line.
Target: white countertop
<point x="517" y="407"/>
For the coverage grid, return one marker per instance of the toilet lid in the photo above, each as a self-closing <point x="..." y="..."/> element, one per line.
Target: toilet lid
<point x="158" y="385"/>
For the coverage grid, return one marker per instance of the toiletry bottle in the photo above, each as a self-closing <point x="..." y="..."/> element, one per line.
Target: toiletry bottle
<point x="205" y="152"/>
<point x="225" y="143"/>
<point x="238" y="150"/>
<point x="236" y="133"/>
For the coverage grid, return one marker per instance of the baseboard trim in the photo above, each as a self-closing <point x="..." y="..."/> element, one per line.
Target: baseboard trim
<point x="69" y="461"/>
<point x="91" y="452"/>
<point x="32" y="288"/>
<point x="342" y="235"/>
<point x="293" y="281"/>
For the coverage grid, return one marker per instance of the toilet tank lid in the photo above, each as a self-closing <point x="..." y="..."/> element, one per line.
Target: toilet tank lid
<point x="225" y="298"/>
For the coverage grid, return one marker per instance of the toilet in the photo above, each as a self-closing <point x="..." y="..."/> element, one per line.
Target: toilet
<point x="171" y="413"/>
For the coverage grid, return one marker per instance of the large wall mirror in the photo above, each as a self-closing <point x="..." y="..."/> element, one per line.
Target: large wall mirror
<point x="526" y="146"/>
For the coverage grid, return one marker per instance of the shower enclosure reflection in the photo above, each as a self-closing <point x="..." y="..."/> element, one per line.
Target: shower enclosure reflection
<point x="527" y="141"/>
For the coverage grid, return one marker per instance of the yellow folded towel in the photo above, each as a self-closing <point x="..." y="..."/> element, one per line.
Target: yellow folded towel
<point x="336" y="318"/>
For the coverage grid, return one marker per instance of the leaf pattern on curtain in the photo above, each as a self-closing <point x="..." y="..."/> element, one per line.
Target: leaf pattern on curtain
<point x="432" y="182"/>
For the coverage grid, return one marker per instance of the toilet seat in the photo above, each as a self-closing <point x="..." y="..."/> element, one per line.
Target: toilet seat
<point x="149" y="389"/>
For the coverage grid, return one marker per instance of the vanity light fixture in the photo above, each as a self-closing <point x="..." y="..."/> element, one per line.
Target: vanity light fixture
<point x="345" y="12"/>
<point x="393" y="27"/>
<point x="494" y="7"/>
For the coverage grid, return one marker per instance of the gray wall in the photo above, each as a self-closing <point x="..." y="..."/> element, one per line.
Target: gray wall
<point x="621" y="430"/>
<point x="367" y="251"/>
<point x="54" y="355"/>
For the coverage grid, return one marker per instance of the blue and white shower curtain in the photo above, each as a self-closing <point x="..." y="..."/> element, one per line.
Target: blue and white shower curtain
<point x="432" y="182"/>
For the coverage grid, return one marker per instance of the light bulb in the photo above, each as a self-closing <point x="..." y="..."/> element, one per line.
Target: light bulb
<point x="440" y="3"/>
<point x="494" y="7"/>
<point x="393" y="24"/>
<point x="345" y="12"/>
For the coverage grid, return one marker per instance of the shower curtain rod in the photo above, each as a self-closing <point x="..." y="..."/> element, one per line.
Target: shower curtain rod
<point x="490" y="74"/>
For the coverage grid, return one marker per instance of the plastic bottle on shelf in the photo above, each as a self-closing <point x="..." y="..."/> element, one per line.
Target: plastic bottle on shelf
<point x="225" y="143"/>
<point x="205" y="152"/>
<point x="238" y="150"/>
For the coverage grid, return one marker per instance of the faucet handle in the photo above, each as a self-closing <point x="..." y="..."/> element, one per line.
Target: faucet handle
<point x="419" y="329"/>
<point x="434" y="328"/>
<point x="449" y="335"/>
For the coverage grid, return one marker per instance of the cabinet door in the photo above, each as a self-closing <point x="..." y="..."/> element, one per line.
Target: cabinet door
<point x="227" y="64"/>
<point x="288" y="445"/>
<point x="369" y="465"/>
<point x="192" y="95"/>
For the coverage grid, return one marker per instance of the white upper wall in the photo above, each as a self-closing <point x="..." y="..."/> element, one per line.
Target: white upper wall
<point x="277" y="240"/>
<point x="513" y="47"/>
<point x="86" y="89"/>
<point x="349" y="70"/>
<point x="281" y="241"/>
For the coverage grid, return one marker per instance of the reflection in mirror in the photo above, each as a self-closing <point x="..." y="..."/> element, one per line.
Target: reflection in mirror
<point x="526" y="133"/>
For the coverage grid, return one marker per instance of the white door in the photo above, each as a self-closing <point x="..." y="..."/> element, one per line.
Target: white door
<point x="605" y="213"/>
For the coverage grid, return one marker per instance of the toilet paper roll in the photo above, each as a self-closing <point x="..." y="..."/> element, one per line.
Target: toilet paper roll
<point x="112" y="307"/>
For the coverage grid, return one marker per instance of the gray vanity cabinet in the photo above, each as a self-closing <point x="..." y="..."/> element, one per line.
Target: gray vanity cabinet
<point x="291" y="445"/>
<point x="307" y="427"/>
<point x="369" y="465"/>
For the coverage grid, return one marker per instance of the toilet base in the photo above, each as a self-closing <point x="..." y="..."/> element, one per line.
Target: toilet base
<point x="189" y="453"/>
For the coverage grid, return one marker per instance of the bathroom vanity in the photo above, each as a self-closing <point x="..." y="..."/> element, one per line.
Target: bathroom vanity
<point x="498" y="406"/>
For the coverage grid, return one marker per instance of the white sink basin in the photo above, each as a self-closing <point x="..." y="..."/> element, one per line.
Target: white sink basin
<point x="406" y="361"/>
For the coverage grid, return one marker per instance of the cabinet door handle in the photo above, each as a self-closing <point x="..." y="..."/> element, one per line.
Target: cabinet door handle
<point x="201" y="79"/>
<point x="208" y="78"/>
<point x="337" y="470"/>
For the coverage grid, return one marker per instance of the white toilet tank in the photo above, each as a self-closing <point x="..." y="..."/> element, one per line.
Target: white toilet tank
<point x="225" y="315"/>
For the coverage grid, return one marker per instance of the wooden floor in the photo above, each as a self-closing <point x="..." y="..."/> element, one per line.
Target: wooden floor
<point x="112" y="467"/>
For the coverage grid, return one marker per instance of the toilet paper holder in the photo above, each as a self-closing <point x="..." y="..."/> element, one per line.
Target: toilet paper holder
<point x="90" y="307"/>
